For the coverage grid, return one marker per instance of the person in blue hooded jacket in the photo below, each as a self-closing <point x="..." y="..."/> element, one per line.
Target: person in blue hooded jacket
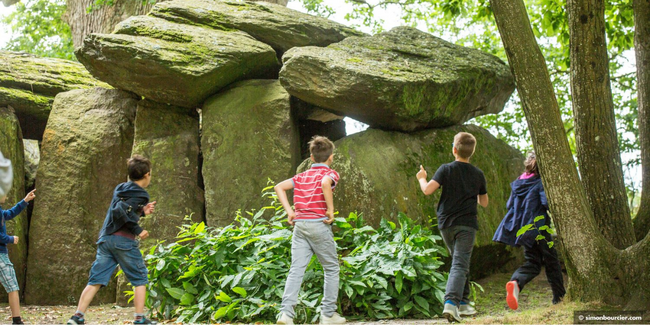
<point x="117" y="244"/>
<point x="528" y="201"/>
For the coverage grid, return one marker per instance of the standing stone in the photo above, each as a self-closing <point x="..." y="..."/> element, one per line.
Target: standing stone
<point x="11" y="146"/>
<point x="169" y="137"/>
<point x="378" y="170"/>
<point x="174" y="63"/>
<point x="28" y="84"/>
<point x="248" y="137"/>
<point x="403" y="80"/>
<point x="88" y="139"/>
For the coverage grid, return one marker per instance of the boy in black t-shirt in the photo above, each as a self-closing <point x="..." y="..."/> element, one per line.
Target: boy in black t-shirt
<point x="463" y="185"/>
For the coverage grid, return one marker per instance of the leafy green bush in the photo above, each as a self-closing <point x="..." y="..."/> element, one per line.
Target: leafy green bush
<point x="237" y="273"/>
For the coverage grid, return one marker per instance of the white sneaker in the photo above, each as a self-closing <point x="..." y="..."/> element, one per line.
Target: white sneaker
<point x="451" y="313"/>
<point x="284" y="319"/>
<point x="466" y="310"/>
<point x="335" y="319"/>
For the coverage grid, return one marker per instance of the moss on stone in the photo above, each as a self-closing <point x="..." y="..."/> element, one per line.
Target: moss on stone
<point x="408" y="80"/>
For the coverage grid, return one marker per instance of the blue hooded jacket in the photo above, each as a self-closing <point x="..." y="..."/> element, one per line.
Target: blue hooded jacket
<point x="6" y="216"/>
<point x="126" y="209"/>
<point x="527" y="201"/>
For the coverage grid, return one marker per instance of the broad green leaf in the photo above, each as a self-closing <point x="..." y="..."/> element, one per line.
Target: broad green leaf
<point x="538" y="218"/>
<point x="422" y="302"/>
<point x="223" y="297"/>
<point x="240" y="291"/>
<point x="177" y="293"/>
<point x="398" y="282"/>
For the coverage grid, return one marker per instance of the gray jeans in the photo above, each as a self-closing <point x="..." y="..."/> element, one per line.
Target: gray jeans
<point x="311" y="238"/>
<point x="460" y="242"/>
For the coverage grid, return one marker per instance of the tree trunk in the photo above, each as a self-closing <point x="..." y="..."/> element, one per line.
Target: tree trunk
<point x="101" y="19"/>
<point x="642" y="51"/>
<point x="599" y="158"/>
<point x="597" y="270"/>
<point x="8" y="3"/>
<point x="104" y="18"/>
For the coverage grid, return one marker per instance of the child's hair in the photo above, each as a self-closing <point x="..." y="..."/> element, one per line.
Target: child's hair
<point x="321" y="148"/>
<point x="464" y="143"/>
<point x="138" y="167"/>
<point x="531" y="163"/>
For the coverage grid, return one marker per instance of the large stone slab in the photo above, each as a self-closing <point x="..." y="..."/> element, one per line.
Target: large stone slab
<point x="276" y="25"/>
<point x="248" y="137"/>
<point x="89" y="137"/>
<point x="28" y="84"/>
<point x="11" y="146"/>
<point x="403" y="80"/>
<point x="174" y="63"/>
<point x="378" y="170"/>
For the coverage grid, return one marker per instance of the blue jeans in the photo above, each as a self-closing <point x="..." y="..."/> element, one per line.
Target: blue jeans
<point x="113" y="250"/>
<point x="460" y="242"/>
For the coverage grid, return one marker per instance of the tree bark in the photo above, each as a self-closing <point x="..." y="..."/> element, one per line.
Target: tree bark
<point x="597" y="270"/>
<point x="599" y="157"/>
<point x="104" y="18"/>
<point x="101" y="19"/>
<point x="642" y="51"/>
<point x="8" y="3"/>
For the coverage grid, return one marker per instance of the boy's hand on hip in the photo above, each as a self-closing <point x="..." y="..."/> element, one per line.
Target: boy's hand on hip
<point x="30" y="196"/>
<point x="149" y="208"/>
<point x="291" y="215"/>
<point x="422" y="174"/>
<point x="16" y="240"/>
<point x="330" y="217"/>
<point x="144" y="234"/>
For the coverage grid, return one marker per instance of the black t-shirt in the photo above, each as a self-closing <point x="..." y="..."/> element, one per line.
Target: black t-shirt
<point x="461" y="184"/>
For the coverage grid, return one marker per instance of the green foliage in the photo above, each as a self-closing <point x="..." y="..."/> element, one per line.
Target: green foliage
<point x="237" y="273"/>
<point x="538" y="230"/>
<point x="37" y="27"/>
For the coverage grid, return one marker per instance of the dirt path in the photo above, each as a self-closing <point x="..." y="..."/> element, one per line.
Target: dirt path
<point x="535" y="307"/>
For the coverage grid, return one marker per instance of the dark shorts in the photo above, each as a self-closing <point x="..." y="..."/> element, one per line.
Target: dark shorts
<point x="117" y="250"/>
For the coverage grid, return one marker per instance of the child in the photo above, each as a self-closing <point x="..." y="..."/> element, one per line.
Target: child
<point x="7" y="271"/>
<point x="312" y="233"/>
<point x="527" y="202"/>
<point x="117" y="240"/>
<point x="463" y="185"/>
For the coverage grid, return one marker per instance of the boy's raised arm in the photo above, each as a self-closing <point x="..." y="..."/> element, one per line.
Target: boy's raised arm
<point x="326" y="183"/>
<point x="280" y="190"/>
<point x="427" y="188"/>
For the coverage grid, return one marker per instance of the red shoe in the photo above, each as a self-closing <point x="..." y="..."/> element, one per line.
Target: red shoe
<point x="512" y="297"/>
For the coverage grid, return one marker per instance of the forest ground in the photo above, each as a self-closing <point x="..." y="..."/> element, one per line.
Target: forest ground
<point x="535" y="307"/>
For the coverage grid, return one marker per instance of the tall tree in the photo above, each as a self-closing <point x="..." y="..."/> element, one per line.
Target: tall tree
<point x="599" y="158"/>
<point x="597" y="270"/>
<point x="642" y="51"/>
<point x="102" y="16"/>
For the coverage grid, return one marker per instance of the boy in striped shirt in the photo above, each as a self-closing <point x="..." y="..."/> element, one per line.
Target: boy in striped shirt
<point x="312" y="232"/>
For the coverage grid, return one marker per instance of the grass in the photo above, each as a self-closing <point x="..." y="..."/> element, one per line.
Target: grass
<point x="535" y="307"/>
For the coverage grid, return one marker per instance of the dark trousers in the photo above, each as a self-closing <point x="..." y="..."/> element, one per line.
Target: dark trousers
<point x="536" y="256"/>
<point x="460" y="242"/>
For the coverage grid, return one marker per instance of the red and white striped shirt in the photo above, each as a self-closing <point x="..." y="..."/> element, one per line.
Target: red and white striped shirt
<point x="308" y="197"/>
